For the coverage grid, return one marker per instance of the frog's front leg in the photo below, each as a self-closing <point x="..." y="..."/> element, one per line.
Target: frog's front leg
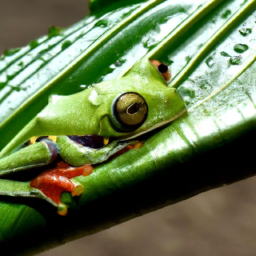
<point x="34" y="155"/>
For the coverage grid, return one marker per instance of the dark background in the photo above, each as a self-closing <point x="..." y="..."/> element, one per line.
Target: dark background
<point x="220" y="222"/>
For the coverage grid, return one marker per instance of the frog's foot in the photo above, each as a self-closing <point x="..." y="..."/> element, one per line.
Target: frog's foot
<point x="53" y="182"/>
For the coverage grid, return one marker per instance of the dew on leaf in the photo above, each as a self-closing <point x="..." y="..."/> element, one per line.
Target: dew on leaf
<point x="187" y="90"/>
<point x="203" y="86"/>
<point x="127" y="14"/>
<point x="191" y="80"/>
<point x="66" y="44"/>
<point x="41" y="58"/>
<point x="10" y="76"/>
<point x="149" y="43"/>
<point x="210" y="62"/>
<point x="225" y="14"/>
<point x="225" y="54"/>
<point x="33" y="44"/>
<point x="120" y="62"/>
<point x="169" y="62"/>
<point x="83" y="86"/>
<point x="235" y="60"/>
<point x="18" y="89"/>
<point x="11" y="51"/>
<point x="240" y="48"/>
<point x="54" y="31"/>
<point x="101" y="23"/>
<point x="245" y="31"/>
<point x="200" y="46"/>
<point x="186" y="100"/>
<point x="188" y="59"/>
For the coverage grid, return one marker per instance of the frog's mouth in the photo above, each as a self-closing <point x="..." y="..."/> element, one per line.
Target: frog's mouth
<point x="92" y="141"/>
<point x="97" y="141"/>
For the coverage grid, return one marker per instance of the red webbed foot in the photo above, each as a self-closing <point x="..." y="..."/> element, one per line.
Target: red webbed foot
<point x="53" y="182"/>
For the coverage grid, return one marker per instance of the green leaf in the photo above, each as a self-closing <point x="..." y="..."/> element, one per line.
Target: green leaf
<point x="206" y="148"/>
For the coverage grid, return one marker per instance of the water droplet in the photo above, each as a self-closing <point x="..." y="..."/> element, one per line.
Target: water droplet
<point x="41" y="58"/>
<point x="11" y="51"/>
<point x="169" y="62"/>
<point x="235" y="60"/>
<point x="149" y="43"/>
<point x="83" y="86"/>
<point x="240" y="48"/>
<point x="10" y="76"/>
<point x="203" y="86"/>
<point x="225" y="54"/>
<point x="225" y="14"/>
<point x="127" y="14"/>
<point x="187" y="90"/>
<point x="33" y="44"/>
<point x="186" y="100"/>
<point x="54" y="31"/>
<point x="245" y="31"/>
<point x="200" y="46"/>
<point x="66" y="44"/>
<point x="16" y="89"/>
<point x="120" y="62"/>
<point x="188" y="59"/>
<point x="43" y="51"/>
<point x="101" y="23"/>
<point x="210" y="62"/>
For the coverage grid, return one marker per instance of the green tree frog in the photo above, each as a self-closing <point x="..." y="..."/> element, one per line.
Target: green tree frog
<point x="89" y="127"/>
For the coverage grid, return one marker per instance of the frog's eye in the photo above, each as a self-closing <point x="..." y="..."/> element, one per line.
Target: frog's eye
<point x="163" y="69"/>
<point x="130" y="110"/>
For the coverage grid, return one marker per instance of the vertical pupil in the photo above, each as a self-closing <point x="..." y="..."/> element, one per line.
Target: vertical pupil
<point x="134" y="108"/>
<point x="162" y="68"/>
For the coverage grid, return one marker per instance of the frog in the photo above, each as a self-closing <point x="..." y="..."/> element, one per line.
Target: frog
<point x="73" y="133"/>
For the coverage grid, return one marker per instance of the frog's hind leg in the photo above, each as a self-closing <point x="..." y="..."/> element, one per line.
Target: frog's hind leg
<point x="21" y="189"/>
<point x="35" y="155"/>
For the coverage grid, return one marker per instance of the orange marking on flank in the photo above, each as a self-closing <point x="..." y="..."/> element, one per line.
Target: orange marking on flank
<point x="127" y="148"/>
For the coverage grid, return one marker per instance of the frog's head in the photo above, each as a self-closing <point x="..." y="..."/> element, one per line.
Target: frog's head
<point x="127" y="107"/>
<point x="139" y="102"/>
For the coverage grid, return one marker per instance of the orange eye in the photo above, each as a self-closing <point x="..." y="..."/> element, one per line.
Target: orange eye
<point x="163" y="69"/>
